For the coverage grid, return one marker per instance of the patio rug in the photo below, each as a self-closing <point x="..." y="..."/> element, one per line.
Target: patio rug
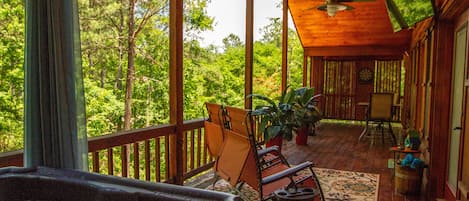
<point x="337" y="185"/>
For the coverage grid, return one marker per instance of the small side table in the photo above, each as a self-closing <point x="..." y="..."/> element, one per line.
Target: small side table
<point x="397" y="151"/>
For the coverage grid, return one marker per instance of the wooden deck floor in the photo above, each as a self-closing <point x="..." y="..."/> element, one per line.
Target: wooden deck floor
<point x="336" y="146"/>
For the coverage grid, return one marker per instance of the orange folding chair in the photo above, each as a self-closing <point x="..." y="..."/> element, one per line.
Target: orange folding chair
<point x="215" y="137"/>
<point x="240" y="162"/>
<point x="214" y="129"/>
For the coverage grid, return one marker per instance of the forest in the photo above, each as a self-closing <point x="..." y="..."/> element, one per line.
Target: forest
<point x="125" y="61"/>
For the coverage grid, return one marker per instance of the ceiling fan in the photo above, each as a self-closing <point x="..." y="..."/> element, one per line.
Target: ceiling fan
<point x="332" y="6"/>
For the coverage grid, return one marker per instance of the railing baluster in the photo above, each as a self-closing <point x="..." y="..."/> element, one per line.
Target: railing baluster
<point x="166" y="152"/>
<point x="95" y="157"/>
<point x="124" y="160"/>
<point x="110" y="162"/>
<point x="157" y="160"/>
<point x="147" y="160"/>
<point x="136" y="162"/>
<point x="204" y="147"/>
<point x="184" y="153"/>
<point x="192" y="150"/>
<point x="199" y="146"/>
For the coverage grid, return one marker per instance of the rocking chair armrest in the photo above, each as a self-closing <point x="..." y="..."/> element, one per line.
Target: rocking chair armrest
<point x="286" y="173"/>
<point x="267" y="150"/>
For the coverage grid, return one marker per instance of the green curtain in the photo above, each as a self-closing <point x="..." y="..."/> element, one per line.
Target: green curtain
<point x="55" y="130"/>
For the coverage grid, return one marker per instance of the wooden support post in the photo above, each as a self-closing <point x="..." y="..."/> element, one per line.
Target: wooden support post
<point x="284" y="44"/>
<point x="440" y="107"/>
<point x="311" y="73"/>
<point x="249" y="53"/>
<point x="317" y="78"/>
<point x="176" y="89"/>
<point x="305" y="70"/>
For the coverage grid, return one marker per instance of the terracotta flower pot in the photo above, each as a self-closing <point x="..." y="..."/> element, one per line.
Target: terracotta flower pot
<point x="275" y="141"/>
<point x="302" y="136"/>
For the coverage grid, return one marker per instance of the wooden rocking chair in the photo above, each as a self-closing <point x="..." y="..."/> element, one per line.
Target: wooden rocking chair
<point x="240" y="162"/>
<point x="215" y="137"/>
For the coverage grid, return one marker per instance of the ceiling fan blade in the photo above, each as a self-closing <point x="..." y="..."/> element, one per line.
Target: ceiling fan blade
<point x="322" y="7"/>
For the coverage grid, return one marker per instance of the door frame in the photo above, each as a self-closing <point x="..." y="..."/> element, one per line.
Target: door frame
<point x="465" y="117"/>
<point x="450" y="193"/>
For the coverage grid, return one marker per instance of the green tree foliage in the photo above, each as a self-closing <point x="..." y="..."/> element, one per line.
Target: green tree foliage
<point x="212" y="73"/>
<point x="268" y="60"/>
<point x="11" y="74"/>
<point x="405" y="13"/>
<point x="231" y="41"/>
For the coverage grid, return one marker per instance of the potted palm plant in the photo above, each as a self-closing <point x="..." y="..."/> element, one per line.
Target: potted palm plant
<point x="306" y="114"/>
<point x="276" y="117"/>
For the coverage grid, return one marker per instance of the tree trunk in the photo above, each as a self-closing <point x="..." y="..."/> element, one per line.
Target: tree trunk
<point x="102" y="77"/>
<point x="121" y="48"/>
<point x="90" y="66"/>
<point x="130" y="68"/>
<point x="129" y="82"/>
<point x="148" y="108"/>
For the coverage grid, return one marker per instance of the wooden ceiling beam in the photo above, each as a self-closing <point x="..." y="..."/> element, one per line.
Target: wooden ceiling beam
<point x="361" y="58"/>
<point x="453" y="8"/>
<point x="355" y="42"/>
<point x="355" y="51"/>
<point x="355" y="37"/>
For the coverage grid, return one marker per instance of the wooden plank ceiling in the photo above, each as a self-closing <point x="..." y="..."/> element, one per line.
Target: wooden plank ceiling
<point x="363" y="31"/>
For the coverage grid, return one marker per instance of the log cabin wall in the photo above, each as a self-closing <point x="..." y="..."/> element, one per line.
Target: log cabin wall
<point x="440" y="107"/>
<point x="363" y="90"/>
<point x="337" y="79"/>
<point x="417" y="98"/>
<point x="427" y="99"/>
<point x="420" y="83"/>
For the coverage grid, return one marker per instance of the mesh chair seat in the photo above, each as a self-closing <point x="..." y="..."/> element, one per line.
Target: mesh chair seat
<point x="380" y="112"/>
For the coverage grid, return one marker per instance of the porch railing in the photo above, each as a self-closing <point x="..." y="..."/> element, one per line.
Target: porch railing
<point x="141" y="154"/>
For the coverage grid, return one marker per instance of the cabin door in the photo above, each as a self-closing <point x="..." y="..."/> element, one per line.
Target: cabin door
<point x="463" y="183"/>
<point x="457" y="108"/>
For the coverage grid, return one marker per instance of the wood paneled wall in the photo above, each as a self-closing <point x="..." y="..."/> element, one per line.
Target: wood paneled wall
<point x="363" y="90"/>
<point x="427" y="98"/>
<point x="440" y="107"/>
<point x="428" y="102"/>
<point x="418" y="95"/>
<point x="337" y="80"/>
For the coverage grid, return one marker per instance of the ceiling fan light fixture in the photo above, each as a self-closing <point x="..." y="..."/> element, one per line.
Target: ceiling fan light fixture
<point x="332" y="8"/>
